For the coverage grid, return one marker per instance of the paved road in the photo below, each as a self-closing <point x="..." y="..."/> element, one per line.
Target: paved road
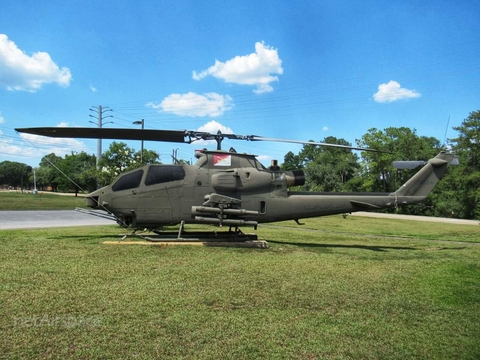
<point x="48" y="218"/>
<point x="417" y="218"/>
<point x="65" y="218"/>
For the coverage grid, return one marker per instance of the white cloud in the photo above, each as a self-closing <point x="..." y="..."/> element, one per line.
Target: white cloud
<point x="36" y="146"/>
<point x="19" y="71"/>
<point x="93" y="88"/>
<point x="2" y="119"/>
<point x="13" y="150"/>
<point x="213" y="127"/>
<point x="392" y="91"/>
<point x="264" y="159"/>
<point x="191" y="104"/>
<point x="39" y="146"/>
<point x="325" y="128"/>
<point x="50" y="144"/>
<point x="258" y="69"/>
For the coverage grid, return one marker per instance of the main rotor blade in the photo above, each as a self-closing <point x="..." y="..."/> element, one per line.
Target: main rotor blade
<point x="108" y="133"/>
<point x="179" y="136"/>
<point x="261" y="138"/>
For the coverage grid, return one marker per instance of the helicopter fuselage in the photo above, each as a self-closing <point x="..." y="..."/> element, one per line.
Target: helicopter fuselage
<point x="231" y="189"/>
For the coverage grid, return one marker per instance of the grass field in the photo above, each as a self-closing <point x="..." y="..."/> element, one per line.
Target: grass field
<point x="353" y="288"/>
<point x="40" y="201"/>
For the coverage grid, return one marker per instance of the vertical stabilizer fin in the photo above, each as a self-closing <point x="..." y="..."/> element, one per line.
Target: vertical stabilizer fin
<point x="425" y="180"/>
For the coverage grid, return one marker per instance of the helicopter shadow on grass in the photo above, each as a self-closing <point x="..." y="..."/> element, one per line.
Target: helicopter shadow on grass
<point x="377" y="248"/>
<point x="91" y="237"/>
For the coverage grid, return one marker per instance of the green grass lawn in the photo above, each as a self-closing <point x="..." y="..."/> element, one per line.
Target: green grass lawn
<point x="342" y="291"/>
<point x="41" y="201"/>
<point x="397" y="228"/>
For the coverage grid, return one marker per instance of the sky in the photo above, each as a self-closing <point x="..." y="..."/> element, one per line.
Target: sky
<point x="300" y="70"/>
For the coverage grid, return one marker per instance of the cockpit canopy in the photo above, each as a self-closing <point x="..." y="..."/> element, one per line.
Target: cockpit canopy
<point x="156" y="174"/>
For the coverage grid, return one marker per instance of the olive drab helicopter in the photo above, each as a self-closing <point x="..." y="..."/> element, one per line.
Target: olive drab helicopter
<point x="226" y="188"/>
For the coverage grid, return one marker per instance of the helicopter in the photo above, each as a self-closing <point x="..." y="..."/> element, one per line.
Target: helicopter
<point x="226" y="188"/>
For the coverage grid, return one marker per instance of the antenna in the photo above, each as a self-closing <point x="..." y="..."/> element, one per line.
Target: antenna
<point x="446" y="130"/>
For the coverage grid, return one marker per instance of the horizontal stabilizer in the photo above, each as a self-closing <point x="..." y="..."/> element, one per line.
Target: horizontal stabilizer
<point x="455" y="161"/>
<point x="408" y="164"/>
<point x="415" y="164"/>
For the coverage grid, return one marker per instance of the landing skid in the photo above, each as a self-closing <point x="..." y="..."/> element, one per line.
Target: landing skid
<point x="231" y="238"/>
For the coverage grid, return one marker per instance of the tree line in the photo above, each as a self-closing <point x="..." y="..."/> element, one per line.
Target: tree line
<point x="335" y="169"/>
<point x="327" y="169"/>
<point x="76" y="172"/>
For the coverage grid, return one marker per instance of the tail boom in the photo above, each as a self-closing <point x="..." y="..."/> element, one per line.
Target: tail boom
<point x="301" y="205"/>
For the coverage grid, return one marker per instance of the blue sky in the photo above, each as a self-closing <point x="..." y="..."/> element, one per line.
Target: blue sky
<point x="296" y="70"/>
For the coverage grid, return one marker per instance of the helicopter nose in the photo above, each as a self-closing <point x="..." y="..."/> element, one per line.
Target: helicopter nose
<point x="93" y="199"/>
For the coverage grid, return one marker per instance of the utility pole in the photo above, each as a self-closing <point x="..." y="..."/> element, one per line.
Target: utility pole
<point x="100" y="111"/>
<point x="140" y="122"/>
<point x="174" y="156"/>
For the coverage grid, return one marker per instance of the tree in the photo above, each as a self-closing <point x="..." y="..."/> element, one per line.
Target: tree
<point x="49" y="175"/>
<point x="466" y="178"/>
<point x="401" y="143"/>
<point x="79" y="172"/>
<point x="446" y="200"/>
<point x="149" y="157"/>
<point x="75" y="171"/>
<point x="119" y="158"/>
<point x="15" y="174"/>
<point x="41" y="173"/>
<point x="326" y="168"/>
<point x="292" y="162"/>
